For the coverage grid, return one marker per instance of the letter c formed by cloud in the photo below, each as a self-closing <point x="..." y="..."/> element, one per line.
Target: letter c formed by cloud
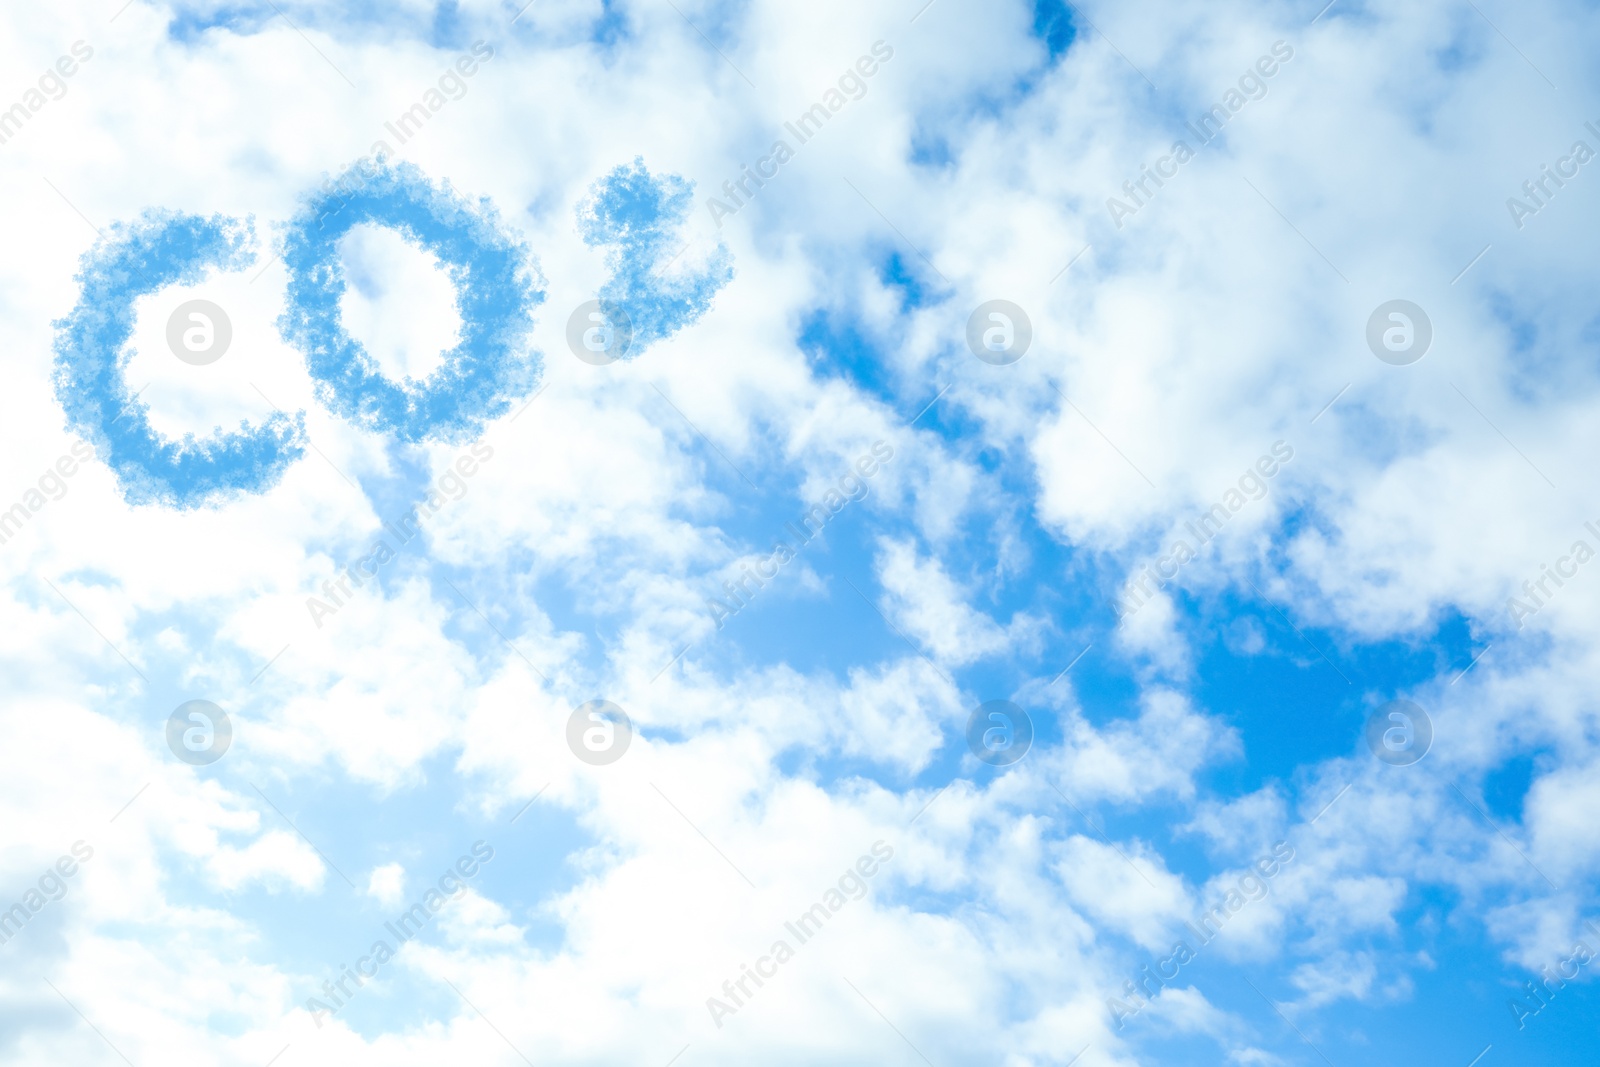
<point x="497" y="288"/>
<point x="162" y="248"/>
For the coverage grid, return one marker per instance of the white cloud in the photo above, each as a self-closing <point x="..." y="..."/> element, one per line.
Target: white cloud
<point x="274" y="858"/>
<point x="935" y="612"/>
<point x="387" y="884"/>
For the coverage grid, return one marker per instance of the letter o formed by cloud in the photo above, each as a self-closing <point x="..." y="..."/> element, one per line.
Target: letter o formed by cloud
<point x="161" y="249"/>
<point x="497" y="288"/>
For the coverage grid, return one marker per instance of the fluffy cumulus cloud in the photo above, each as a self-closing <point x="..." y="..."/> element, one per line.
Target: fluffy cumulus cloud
<point x="513" y="519"/>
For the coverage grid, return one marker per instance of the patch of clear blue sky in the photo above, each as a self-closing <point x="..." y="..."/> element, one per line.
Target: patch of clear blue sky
<point x="612" y="27"/>
<point x="188" y="25"/>
<point x="1052" y="24"/>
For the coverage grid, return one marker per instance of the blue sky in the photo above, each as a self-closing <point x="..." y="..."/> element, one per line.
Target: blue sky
<point x="411" y="515"/>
